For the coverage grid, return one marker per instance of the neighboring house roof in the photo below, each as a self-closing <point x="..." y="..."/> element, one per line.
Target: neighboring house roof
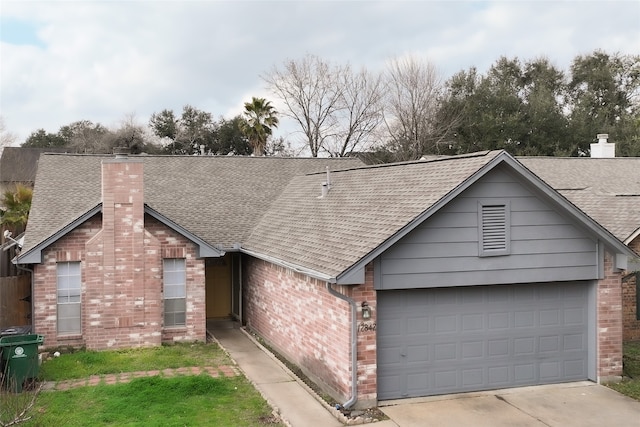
<point x="19" y="164"/>
<point x="219" y="199"/>
<point x="607" y="189"/>
<point x="368" y="209"/>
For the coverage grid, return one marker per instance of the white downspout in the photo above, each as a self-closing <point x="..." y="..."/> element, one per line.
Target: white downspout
<point x="354" y="347"/>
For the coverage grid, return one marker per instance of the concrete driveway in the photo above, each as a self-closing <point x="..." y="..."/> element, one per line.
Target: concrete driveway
<point x="581" y="404"/>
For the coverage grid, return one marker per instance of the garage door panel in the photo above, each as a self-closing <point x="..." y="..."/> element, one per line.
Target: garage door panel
<point x="492" y="337"/>
<point x="472" y="349"/>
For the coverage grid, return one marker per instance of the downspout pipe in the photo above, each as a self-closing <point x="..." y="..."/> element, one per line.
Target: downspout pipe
<point x="354" y="346"/>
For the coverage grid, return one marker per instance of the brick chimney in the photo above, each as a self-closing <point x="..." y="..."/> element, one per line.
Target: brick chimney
<point x="118" y="295"/>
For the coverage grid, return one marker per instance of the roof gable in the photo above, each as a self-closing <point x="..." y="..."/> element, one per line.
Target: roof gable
<point x="218" y="199"/>
<point x="367" y="210"/>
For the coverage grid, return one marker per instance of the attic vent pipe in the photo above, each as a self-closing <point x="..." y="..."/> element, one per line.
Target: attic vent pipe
<point x="326" y="186"/>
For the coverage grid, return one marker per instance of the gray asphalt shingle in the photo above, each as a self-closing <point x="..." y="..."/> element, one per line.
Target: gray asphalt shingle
<point x="608" y="190"/>
<point x="272" y="206"/>
<point x="218" y="199"/>
<point x="363" y="209"/>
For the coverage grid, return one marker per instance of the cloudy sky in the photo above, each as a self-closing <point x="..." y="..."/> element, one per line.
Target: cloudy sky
<point x="63" y="61"/>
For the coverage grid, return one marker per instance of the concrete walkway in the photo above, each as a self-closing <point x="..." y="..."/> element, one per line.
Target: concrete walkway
<point x="294" y="402"/>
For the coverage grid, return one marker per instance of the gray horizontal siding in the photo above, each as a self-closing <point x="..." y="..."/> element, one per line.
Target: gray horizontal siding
<point x="443" y="251"/>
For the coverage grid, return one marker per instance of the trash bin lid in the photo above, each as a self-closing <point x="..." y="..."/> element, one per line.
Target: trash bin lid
<point x="14" y="340"/>
<point x="15" y="330"/>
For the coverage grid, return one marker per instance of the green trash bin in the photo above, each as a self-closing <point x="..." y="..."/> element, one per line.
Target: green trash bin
<point x="19" y="359"/>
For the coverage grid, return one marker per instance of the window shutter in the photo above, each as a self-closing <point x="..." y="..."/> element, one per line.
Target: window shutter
<point x="494" y="221"/>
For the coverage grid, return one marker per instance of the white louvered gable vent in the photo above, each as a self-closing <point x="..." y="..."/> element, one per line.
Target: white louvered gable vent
<point x="495" y="224"/>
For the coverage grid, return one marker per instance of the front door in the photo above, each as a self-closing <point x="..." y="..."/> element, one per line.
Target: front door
<point x="218" y="289"/>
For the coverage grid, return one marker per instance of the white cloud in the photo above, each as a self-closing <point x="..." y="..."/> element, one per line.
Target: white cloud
<point x="103" y="60"/>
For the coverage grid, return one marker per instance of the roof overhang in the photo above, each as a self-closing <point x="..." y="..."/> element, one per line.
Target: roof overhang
<point x="205" y="250"/>
<point x="299" y="269"/>
<point x="34" y="255"/>
<point x="625" y="258"/>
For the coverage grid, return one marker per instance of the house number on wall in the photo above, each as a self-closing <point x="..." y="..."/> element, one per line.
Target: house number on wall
<point x="366" y="326"/>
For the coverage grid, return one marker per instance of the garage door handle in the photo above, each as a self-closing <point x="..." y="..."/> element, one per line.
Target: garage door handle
<point x="403" y="354"/>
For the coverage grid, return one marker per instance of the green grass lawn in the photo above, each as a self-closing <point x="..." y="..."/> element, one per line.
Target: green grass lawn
<point x="156" y="401"/>
<point x="147" y="401"/>
<point x="83" y="364"/>
<point x="631" y="384"/>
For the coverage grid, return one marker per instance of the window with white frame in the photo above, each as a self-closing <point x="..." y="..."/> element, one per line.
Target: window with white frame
<point x="175" y="291"/>
<point x="69" y="286"/>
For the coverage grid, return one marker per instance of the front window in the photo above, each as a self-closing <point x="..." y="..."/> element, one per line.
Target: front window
<point x="69" y="306"/>
<point x="175" y="292"/>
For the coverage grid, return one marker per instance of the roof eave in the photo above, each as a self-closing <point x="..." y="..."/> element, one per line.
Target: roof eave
<point x="315" y="274"/>
<point x="205" y="250"/>
<point x="34" y="255"/>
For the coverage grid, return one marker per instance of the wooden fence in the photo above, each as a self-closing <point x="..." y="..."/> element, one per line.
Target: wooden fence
<point x="14" y="310"/>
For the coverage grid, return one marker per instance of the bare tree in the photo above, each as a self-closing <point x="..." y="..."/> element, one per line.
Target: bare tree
<point x="84" y="136"/>
<point x="6" y="138"/>
<point x="413" y="90"/>
<point x="130" y="134"/>
<point x="361" y="96"/>
<point x="336" y="109"/>
<point x="309" y="91"/>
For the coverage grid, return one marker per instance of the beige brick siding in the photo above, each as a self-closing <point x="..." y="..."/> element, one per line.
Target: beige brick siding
<point x="631" y="330"/>
<point x="121" y="254"/>
<point x="312" y="328"/>
<point x="609" y="322"/>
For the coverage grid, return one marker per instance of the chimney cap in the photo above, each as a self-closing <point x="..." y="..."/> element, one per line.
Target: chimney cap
<point x="121" y="151"/>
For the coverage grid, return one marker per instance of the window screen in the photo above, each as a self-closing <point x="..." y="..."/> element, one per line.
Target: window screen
<point x="69" y="286"/>
<point x="175" y="292"/>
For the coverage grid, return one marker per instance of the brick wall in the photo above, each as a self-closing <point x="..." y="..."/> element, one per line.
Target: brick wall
<point x="631" y="330"/>
<point x="121" y="253"/>
<point x="105" y="313"/>
<point x="312" y="328"/>
<point x="367" y="342"/>
<point x="173" y="245"/>
<point x="609" y="323"/>
<point x="70" y="248"/>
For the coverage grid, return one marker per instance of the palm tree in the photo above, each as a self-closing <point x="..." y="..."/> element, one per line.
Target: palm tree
<point x="260" y="118"/>
<point x="14" y="211"/>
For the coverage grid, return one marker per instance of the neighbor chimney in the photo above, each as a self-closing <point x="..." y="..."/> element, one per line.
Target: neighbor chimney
<point x="603" y="149"/>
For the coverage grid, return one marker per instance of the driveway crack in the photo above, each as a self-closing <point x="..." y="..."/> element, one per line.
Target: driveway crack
<point x="520" y="409"/>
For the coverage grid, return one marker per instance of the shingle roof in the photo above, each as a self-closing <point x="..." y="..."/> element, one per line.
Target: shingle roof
<point x="608" y="190"/>
<point x="273" y="208"/>
<point x="20" y="164"/>
<point x="363" y="208"/>
<point x="218" y="199"/>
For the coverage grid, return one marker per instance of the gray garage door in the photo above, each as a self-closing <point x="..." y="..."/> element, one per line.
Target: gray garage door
<point x="438" y="341"/>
